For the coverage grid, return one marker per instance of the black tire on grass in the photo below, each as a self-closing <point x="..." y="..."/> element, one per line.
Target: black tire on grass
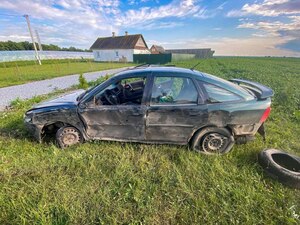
<point x="281" y="166"/>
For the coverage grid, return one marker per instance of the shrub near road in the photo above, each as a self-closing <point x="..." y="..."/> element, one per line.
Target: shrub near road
<point x="107" y="182"/>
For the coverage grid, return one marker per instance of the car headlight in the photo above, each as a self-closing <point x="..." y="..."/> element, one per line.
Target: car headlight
<point x="27" y="119"/>
<point x="28" y="116"/>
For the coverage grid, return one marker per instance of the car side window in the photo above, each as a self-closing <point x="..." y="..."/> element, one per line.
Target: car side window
<point x="128" y="91"/>
<point x="173" y="90"/>
<point x="217" y="94"/>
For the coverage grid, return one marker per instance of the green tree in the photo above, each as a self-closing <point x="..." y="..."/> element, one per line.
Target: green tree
<point x="25" y="45"/>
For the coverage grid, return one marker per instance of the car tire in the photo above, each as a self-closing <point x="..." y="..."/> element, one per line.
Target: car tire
<point x="67" y="136"/>
<point x="281" y="166"/>
<point x="212" y="140"/>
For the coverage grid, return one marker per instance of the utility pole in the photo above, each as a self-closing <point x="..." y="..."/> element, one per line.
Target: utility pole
<point x="33" y="42"/>
<point x="39" y="40"/>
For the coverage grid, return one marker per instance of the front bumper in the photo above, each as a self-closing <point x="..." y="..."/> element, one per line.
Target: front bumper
<point x="34" y="130"/>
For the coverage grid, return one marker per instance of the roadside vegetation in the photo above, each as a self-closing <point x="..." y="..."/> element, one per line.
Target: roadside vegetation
<point x="20" y="72"/>
<point x="111" y="182"/>
<point x="27" y="46"/>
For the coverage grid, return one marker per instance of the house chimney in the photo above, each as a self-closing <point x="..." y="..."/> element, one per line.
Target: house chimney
<point x="126" y="33"/>
<point x="113" y="34"/>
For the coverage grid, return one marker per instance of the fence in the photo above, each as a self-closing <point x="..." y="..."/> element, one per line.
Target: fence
<point x="181" y="57"/>
<point x="152" y="58"/>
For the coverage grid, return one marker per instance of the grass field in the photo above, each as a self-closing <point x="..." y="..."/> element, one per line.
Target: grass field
<point x="19" y="72"/>
<point x="110" y="183"/>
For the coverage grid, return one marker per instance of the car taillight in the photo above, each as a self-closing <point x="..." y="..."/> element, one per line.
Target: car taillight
<point x="265" y="115"/>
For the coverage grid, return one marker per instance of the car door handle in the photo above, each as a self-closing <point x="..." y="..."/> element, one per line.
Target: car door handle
<point x="136" y="113"/>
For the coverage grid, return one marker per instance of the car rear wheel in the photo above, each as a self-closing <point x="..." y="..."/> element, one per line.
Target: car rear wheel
<point x="67" y="136"/>
<point x="213" y="140"/>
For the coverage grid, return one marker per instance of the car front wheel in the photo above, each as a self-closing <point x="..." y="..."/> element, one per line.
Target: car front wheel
<point x="212" y="140"/>
<point x="67" y="136"/>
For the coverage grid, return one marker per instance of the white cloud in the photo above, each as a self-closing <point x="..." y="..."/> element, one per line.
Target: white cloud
<point x="236" y="13"/>
<point x="271" y="27"/>
<point x="268" y="8"/>
<point x="77" y="21"/>
<point x="288" y="29"/>
<point x="81" y="12"/>
<point x="161" y="25"/>
<point x="63" y="22"/>
<point x="252" y="46"/>
<point x="80" y="22"/>
<point x="146" y="14"/>
<point x="276" y="30"/>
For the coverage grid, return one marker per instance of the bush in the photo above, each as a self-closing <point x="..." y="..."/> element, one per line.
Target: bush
<point x="83" y="84"/>
<point x="99" y="80"/>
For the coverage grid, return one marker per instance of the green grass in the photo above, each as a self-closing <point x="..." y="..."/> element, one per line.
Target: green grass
<point x="109" y="182"/>
<point x="12" y="73"/>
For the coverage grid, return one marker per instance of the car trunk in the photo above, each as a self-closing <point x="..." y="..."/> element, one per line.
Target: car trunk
<point x="260" y="91"/>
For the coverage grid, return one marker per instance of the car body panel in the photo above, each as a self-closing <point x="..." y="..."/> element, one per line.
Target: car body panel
<point x="149" y="122"/>
<point x="60" y="102"/>
<point x="61" y="109"/>
<point x="174" y="122"/>
<point x="114" y="122"/>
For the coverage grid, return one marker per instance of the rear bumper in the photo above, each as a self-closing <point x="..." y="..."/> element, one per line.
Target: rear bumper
<point x="246" y="132"/>
<point x="245" y="129"/>
<point x="261" y="131"/>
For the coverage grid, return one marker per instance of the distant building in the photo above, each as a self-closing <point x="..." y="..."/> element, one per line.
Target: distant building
<point x="157" y="49"/>
<point x="198" y="53"/>
<point x="119" y="48"/>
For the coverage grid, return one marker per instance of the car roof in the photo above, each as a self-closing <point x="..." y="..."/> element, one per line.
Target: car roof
<point x="156" y="68"/>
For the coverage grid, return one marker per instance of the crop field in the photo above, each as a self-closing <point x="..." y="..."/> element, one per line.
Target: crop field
<point x="20" y="72"/>
<point x="123" y="183"/>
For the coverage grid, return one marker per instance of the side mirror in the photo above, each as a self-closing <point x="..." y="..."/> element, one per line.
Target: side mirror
<point x="82" y="105"/>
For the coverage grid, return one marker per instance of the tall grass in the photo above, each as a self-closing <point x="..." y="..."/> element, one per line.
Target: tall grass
<point x="118" y="183"/>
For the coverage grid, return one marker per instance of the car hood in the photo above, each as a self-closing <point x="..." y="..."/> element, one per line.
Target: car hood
<point x="61" y="101"/>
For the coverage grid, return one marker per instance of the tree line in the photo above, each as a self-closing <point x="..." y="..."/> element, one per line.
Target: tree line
<point x="25" y="45"/>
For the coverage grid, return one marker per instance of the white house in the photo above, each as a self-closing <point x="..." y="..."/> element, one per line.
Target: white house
<point x="119" y="48"/>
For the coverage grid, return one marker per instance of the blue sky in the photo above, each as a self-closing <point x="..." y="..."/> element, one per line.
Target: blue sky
<point x="232" y="27"/>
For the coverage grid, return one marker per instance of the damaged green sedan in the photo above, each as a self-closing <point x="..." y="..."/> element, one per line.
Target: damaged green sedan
<point x="155" y="104"/>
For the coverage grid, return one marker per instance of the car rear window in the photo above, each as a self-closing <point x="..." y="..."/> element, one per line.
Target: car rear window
<point x="231" y="85"/>
<point x="218" y="94"/>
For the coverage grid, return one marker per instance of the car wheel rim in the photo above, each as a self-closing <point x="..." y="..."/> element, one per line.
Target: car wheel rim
<point x="70" y="137"/>
<point x="214" y="143"/>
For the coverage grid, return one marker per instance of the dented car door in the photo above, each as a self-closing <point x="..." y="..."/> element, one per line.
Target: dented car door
<point x="114" y="122"/>
<point x="117" y="122"/>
